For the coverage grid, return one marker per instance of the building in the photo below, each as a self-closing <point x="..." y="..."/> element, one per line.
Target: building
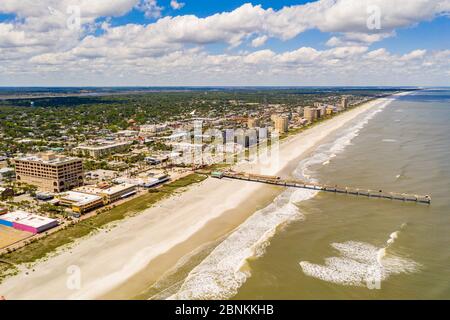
<point x="102" y="149"/>
<point x="35" y="224"/>
<point x="26" y="221"/>
<point x="10" y="218"/>
<point x="49" y="172"/>
<point x="81" y="202"/>
<point x="151" y="129"/>
<point x="253" y="123"/>
<point x="6" y="193"/>
<point x="6" y="173"/>
<point x="111" y="193"/>
<point x="310" y="114"/>
<point x="281" y="123"/>
<point x="322" y="111"/>
<point x="152" y="161"/>
<point x="329" y="110"/>
<point x="344" y="103"/>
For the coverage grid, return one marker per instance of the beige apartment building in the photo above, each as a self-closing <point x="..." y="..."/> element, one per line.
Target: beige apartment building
<point x="281" y="123"/>
<point x="50" y="172"/>
<point x="310" y="114"/>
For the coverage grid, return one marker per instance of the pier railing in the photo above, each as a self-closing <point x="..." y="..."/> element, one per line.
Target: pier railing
<point x="275" y="180"/>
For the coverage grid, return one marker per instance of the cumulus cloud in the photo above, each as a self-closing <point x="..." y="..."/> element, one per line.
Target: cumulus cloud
<point x="40" y="40"/>
<point x="176" y="5"/>
<point x="150" y="8"/>
<point x="259" y="41"/>
<point x="303" y="66"/>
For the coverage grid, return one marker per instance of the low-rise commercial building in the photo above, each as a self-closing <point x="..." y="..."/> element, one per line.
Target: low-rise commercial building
<point x="26" y="221"/>
<point x="81" y="202"/>
<point x="102" y="149"/>
<point x="151" y="129"/>
<point x="111" y="193"/>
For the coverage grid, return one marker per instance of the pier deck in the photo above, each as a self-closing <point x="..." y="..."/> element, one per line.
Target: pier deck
<point x="274" y="180"/>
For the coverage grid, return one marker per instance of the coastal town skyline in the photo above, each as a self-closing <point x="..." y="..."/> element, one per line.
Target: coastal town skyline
<point x="224" y="155"/>
<point x="228" y="43"/>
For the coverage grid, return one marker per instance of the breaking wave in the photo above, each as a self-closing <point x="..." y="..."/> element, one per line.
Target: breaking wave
<point x="360" y="264"/>
<point x="222" y="273"/>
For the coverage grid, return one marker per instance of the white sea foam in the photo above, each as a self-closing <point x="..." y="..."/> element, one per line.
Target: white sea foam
<point x="389" y="140"/>
<point x="357" y="261"/>
<point x="224" y="271"/>
<point x="221" y="274"/>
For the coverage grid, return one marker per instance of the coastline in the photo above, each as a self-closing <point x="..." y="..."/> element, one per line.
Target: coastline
<point x="140" y="249"/>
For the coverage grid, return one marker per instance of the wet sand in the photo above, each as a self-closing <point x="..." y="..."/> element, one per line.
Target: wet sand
<point x="124" y="261"/>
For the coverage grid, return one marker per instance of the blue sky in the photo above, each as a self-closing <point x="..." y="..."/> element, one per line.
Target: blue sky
<point x="224" y="42"/>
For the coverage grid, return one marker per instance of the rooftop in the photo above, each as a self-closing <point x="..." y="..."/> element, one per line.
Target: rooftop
<point x="15" y="216"/>
<point x="102" y="145"/>
<point x="109" y="191"/>
<point x="47" y="158"/>
<point x="79" y="198"/>
<point x="36" y="221"/>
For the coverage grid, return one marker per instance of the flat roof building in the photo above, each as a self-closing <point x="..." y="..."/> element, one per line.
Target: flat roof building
<point x="152" y="129"/>
<point x="81" y="202"/>
<point x="35" y="224"/>
<point x="26" y="221"/>
<point x="10" y="218"/>
<point x="49" y="172"/>
<point x="102" y="149"/>
<point x="110" y="194"/>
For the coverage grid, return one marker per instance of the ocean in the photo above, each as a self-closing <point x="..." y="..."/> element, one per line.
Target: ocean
<point x="315" y="245"/>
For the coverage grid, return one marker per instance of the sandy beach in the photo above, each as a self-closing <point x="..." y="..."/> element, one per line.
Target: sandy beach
<point x="122" y="262"/>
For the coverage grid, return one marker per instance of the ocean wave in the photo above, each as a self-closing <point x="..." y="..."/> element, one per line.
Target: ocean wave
<point x="360" y="263"/>
<point x="324" y="153"/>
<point x="222" y="273"/>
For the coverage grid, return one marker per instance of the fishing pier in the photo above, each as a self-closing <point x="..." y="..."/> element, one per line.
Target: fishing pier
<point x="274" y="180"/>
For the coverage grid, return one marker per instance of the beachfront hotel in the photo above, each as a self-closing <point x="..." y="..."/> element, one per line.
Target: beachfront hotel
<point x="50" y="172"/>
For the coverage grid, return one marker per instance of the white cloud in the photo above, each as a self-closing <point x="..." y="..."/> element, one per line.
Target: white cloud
<point x="259" y="41"/>
<point x="414" y="55"/>
<point x="38" y="41"/>
<point x="176" y="5"/>
<point x="150" y="8"/>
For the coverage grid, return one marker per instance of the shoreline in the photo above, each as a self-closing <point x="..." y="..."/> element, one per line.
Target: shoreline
<point x="204" y="213"/>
